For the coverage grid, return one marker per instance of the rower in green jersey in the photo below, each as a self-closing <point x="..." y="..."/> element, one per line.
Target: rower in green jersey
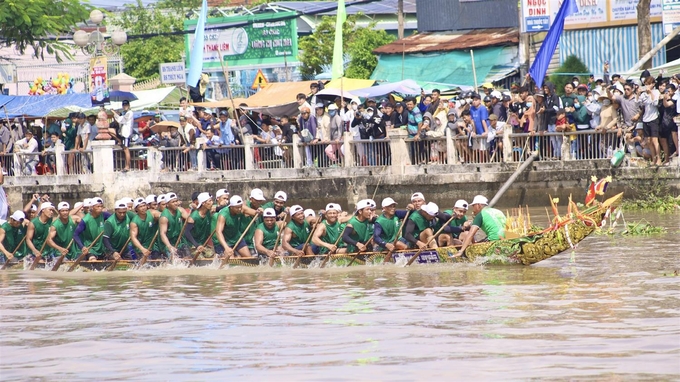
<point x="12" y="233"/>
<point x="60" y="237"/>
<point x="489" y="220"/>
<point x="266" y="234"/>
<point x="117" y="232"/>
<point x="38" y="230"/>
<point x="87" y="232"/>
<point x="387" y="226"/>
<point x="279" y="206"/>
<point x="170" y="228"/>
<point x="327" y="233"/>
<point x="418" y="229"/>
<point x="228" y="229"/>
<point x="296" y="233"/>
<point x="359" y="230"/>
<point x="454" y="233"/>
<point x="202" y="226"/>
<point x="144" y="229"/>
<point x="250" y="209"/>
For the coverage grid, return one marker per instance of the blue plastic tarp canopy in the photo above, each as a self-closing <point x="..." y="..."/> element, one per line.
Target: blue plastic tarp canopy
<point x="40" y="106"/>
<point x="405" y="87"/>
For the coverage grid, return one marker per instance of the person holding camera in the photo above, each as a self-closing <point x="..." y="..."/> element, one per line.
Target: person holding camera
<point x="125" y="119"/>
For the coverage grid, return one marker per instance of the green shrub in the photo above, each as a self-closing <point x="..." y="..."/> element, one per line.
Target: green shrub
<point x="571" y="65"/>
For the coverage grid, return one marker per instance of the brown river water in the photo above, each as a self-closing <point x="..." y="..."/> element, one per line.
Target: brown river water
<point x="608" y="312"/>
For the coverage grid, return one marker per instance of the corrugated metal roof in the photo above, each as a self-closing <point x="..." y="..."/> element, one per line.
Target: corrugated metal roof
<point x="374" y="8"/>
<point x="447" y="41"/>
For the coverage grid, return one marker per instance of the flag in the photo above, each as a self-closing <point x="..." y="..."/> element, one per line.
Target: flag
<point x="542" y="60"/>
<point x="196" y="63"/>
<point x="338" y="57"/>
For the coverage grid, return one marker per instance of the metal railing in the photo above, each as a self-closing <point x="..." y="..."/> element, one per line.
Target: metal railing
<point x="322" y="154"/>
<point x="395" y="152"/>
<point x="427" y="151"/>
<point x="373" y="152"/>
<point x="138" y="158"/>
<point x="270" y="156"/>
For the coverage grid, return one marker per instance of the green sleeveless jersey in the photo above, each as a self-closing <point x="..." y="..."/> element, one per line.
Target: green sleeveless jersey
<point x="492" y="222"/>
<point x="300" y="233"/>
<point x="40" y="235"/>
<point x="232" y="227"/>
<point x="146" y="230"/>
<point x="421" y="224"/>
<point x="333" y="232"/>
<point x="390" y="227"/>
<point x="268" y="235"/>
<point x="64" y="235"/>
<point x="362" y="232"/>
<point x="202" y="227"/>
<point x="251" y="232"/>
<point x="12" y="238"/>
<point x="93" y="227"/>
<point x="174" y="229"/>
<point x="456" y="222"/>
<point x="118" y="231"/>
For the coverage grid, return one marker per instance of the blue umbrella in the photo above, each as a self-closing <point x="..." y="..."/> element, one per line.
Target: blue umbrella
<point x="120" y="96"/>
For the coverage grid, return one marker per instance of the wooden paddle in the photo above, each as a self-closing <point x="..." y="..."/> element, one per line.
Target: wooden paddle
<point x="309" y="237"/>
<point x="388" y="257"/>
<point x="276" y="244"/>
<point x="227" y="257"/>
<point x="7" y="263"/>
<point x="412" y="259"/>
<point x="143" y="259"/>
<point x="60" y="259"/>
<point x="354" y="258"/>
<point x="179" y="238"/>
<point x="115" y="261"/>
<point x="193" y="259"/>
<point x="39" y="257"/>
<point x="328" y="256"/>
<point x="82" y="255"/>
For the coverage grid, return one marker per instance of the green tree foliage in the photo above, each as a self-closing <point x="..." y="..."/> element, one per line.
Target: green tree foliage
<point x="142" y="56"/>
<point x="359" y="42"/>
<point x="34" y="23"/>
<point x="571" y="65"/>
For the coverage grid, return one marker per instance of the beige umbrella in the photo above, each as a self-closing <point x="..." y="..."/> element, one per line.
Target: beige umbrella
<point x="163" y="126"/>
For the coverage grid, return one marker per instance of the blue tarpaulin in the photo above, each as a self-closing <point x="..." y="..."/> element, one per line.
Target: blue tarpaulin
<point x="40" y="106"/>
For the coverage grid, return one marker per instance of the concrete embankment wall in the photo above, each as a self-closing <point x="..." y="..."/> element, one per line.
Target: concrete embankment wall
<point x="314" y="188"/>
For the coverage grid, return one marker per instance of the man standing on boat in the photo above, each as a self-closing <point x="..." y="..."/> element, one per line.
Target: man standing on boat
<point x="61" y="232"/>
<point x="454" y="233"/>
<point x="89" y="229"/>
<point x="387" y="226"/>
<point x="489" y="220"/>
<point x="296" y="232"/>
<point x="12" y="233"/>
<point x="202" y="218"/>
<point x="144" y="228"/>
<point x="228" y="230"/>
<point x="418" y="230"/>
<point x="359" y="230"/>
<point x="326" y="235"/>
<point x="171" y="227"/>
<point x="38" y="229"/>
<point x="266" y="234"/>
<point x="117" y="232"/>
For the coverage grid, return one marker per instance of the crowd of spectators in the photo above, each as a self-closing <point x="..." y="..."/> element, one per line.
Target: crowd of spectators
<point x="636" y="115"/>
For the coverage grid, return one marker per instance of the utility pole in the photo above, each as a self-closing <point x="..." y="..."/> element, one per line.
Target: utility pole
<point x="400" y="19"/>
<point x="644" y="31"/>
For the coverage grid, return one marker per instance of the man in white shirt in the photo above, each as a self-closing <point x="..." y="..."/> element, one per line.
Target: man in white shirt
<point x="125" y="121"/>
<point x="26" y="163"/>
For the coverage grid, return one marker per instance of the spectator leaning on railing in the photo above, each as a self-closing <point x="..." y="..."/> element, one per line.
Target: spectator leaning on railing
<point x="26" y="163"/>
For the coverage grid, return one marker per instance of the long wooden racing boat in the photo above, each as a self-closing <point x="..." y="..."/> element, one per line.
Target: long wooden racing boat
<point x="564" y="232"/>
